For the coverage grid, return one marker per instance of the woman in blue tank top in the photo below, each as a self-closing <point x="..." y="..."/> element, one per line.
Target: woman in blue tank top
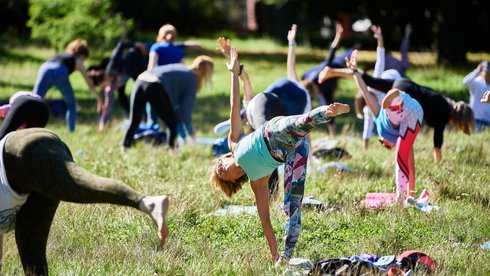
<point x="278" y="141"/>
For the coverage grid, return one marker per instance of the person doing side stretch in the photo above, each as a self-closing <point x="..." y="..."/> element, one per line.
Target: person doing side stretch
<point x="24" y="110"/>
<point x="56" y="72"/>
<point x="398" y="120"/>
<point x="171" y="90"/>
<point x="400" y="65"/>
<point x="256" y="155"/>
<point x="478" y="81"/>
<point x="379" y="72"/>
<point x="284" y="97"/>
<point x="326" y="89"/>
<point x="28" y="201"/>
<point x="438" y="109"/>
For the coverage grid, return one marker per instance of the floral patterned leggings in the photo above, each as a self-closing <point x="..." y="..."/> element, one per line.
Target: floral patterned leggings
<point x="285" y="137"/>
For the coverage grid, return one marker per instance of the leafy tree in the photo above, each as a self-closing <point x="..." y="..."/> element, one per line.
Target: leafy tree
<point x="13" y="15"/>
<point x="58" y="22"/>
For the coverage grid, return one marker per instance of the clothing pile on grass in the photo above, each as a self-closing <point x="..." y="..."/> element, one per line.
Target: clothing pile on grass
<point x="151" y="133"/>
<point x="412" y="262"/>
<point x="325" y="149"/>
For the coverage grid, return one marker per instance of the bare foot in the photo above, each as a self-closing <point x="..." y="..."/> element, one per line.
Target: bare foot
<point x="325" y="74"/>
<point x="337" y="109"/>
<point x="157" y="207"/>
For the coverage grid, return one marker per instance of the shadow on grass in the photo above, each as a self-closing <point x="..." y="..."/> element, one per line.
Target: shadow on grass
<point x="12" y="57"/>
<point x="14" y="86"/>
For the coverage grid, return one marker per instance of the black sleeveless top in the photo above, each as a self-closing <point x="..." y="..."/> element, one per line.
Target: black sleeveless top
<point x="67" y="59"/>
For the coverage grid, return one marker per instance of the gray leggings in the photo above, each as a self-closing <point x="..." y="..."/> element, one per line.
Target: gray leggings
<point x="38" y="163"/>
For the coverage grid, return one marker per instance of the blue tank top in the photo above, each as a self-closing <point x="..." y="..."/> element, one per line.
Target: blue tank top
<point x="167" y="52"/>
<point x="252" y="154"/>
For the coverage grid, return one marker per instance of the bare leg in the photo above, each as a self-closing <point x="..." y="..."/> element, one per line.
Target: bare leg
<point x="156" y="207"/>
<point x="437" y="155"/>
<point x="329" y="73"/>
<point x="331" y="130"/>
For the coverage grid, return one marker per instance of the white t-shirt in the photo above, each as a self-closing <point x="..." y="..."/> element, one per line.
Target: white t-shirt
<point x="477" y="86"/>
<point x="23" y="93"/>
<point x="10" y="201"/>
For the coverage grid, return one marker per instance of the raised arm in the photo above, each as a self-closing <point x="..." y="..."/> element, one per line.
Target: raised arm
<point x="152" y="60"/>
<point x="236" y="128"/>
<point x="339" y="30"/>
<point x="468" y="80"/>
<point x="196" y="45"/>
<point x="405" y="45"/>
<point x="116" y="56"/>
<point x="371" y="100"/>
<point x="291" y="62"/>
<point x="224" y="49"/>
<point x="379" y="66"/>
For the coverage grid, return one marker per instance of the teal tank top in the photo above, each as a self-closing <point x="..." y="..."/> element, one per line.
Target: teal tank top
<point x="252" y="154"/>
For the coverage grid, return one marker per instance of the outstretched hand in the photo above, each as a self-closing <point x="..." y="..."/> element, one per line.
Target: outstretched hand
<point x="352" y="61"/>
<point x="292" y="34"/>
<point x="233" y="66"/>
<point x="225" y="46"/>
<point x="376" y="32"/>
<point x="486" y="97"/>
<point x="339" y="30"/>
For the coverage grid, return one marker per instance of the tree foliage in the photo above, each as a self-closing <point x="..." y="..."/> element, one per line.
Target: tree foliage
<point x="58" y="22"/>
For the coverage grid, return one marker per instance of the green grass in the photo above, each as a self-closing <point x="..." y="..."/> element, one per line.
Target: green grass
<point x="110" y="240"/>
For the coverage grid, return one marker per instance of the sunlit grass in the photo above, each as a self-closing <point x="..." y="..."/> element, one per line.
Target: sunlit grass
<point x="105" y="239"/>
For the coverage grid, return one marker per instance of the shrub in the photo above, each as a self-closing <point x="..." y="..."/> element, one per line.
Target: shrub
<point x="58" y="22"/>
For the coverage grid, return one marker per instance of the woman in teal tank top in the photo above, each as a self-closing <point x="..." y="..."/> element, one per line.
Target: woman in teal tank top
<point x="255" y="156"/>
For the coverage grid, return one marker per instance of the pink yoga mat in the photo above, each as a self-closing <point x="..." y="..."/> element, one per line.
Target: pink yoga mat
<point x="378" y="200"/>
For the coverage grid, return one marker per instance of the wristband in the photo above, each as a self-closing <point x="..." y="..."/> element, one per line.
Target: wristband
<point x="292" y="43"/>
<point x="241" y="69"/>
<point x="355" y="71"/>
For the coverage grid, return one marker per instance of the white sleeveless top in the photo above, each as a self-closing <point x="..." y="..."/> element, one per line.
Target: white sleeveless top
<point x="10" y="201"/>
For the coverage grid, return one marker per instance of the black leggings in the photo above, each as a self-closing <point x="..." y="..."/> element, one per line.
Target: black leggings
<point x="25" y="110"/>
<point x="153" y="93"/>
<point x="437" y="111"/>
<point x="267" y="106"/>
<point x="123" y="99"/>
<point x="38" y="163"/>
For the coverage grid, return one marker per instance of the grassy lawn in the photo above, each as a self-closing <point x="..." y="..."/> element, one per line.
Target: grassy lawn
<point x="110" y="240"/>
